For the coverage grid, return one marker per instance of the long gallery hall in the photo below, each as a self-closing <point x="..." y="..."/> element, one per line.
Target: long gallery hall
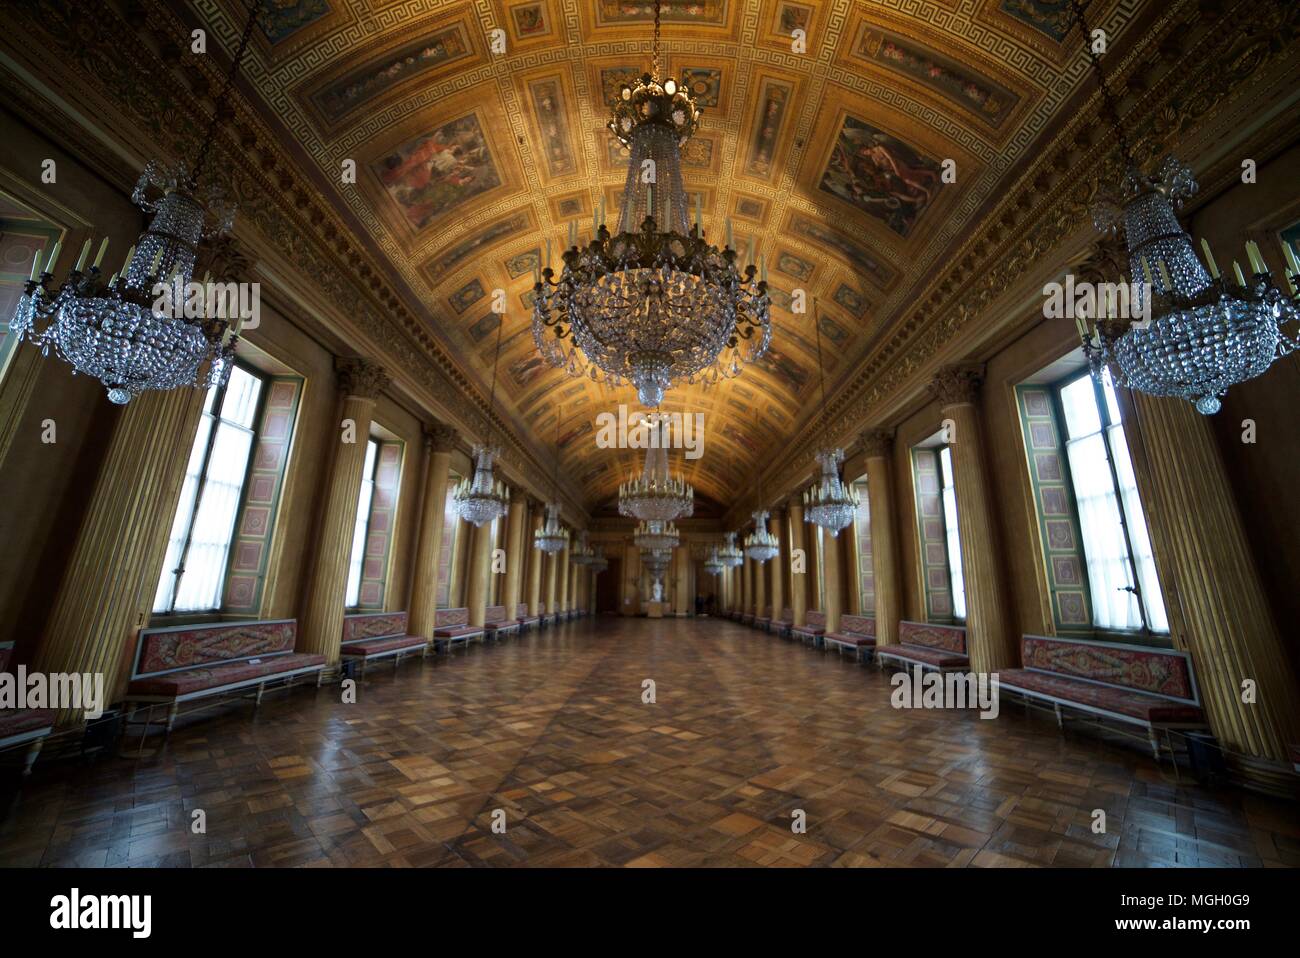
<point x="650" y="433"/>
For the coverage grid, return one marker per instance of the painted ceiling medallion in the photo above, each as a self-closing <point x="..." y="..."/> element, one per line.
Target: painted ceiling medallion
<point x="648" y="306"/>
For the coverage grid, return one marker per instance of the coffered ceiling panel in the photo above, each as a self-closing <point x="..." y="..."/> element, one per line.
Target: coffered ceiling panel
<point x="852" y="143"/>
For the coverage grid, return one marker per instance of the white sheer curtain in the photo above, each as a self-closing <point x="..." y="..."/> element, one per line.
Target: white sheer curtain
<point x="1105" y="511"/>
<point x="361" y="525"/>
<point x="209" y="503"/>
<point x="954" y="541"/>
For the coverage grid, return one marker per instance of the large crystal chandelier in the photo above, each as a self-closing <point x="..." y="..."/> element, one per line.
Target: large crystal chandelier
<point x="713" y="565"/>
<point x="484" y="498"/>
<point x="1206" y="332"/>
<point x="581" y="553"/>
<point x="551" y="537"/>
<point x="656" y="561"/>
<point x="113" y="329"/>
<point x="730" y="553"/>
<point x="761" y="545"/>
<point x="655" y="304"/>
<point x="655" y="534"/>
<point x="656" y="494"/>
<point x="830" y="503"/>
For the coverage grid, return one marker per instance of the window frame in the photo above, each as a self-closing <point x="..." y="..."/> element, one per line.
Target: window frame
<point x="370" y="515"/>
<point x="1055" y="388"/>
<point x="943" y="519"/>
<point x="259" y="409"/>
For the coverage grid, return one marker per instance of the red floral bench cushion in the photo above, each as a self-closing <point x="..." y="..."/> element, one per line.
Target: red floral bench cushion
<point x="373" y="625"/>
<point x="445" y="618"/>
<point x="851" y="638"/>
<point x="368" y="647"/>
<point x="185" y="681"/>
<point x="161" y="650"/>
<point x="939" y="658"/>
<point x="18" y="721"/>
<point x="949" y="638"/>
<point x="521" y="613"/>
<point x="1157" y="671"/>
<point x="1139" y="705"/>
<point x="858" y="625"/>
<point x="496" y="616"/>
<point x="454" y="631"/>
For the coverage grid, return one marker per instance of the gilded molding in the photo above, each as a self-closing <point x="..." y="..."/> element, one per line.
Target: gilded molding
<point x="958" y="385"/>
<point x="360" y="377"/>
<point x="440" y="437"/>
<point x="877" y="443"/>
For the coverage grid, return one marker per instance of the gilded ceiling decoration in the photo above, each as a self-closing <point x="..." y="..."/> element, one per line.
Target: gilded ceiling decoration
<point x="837" y="161"/>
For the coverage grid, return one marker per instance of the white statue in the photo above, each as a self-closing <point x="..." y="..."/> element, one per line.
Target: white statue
<point x="658" y="592"/>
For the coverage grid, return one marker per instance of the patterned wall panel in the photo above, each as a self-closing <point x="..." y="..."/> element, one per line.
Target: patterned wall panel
<point x="383" y="516"/>
<point x="250" y="549"/>
<point x="862" y="525"/>
<point x="1058" y="522"/>
<point x="934" y="545"/>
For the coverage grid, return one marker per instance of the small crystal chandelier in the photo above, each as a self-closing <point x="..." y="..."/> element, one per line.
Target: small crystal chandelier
<point x="761" y="545"/>
<point x="730" y="553"/>
<point x="552" y="537"/>
<point x="655" y="534"/>
<point x="714" y="565"/>
<point x="656" y="561"/>
<point x="599" y="562"/>
<point x="647" y="306"/>
<point x="484" y="498"/>
<point x="656" y="494"/>
<point x="581" y="553"/>
<point x="1206" y="333"/>
<point x="830" y="503"/>
<point x="114" y="330"/>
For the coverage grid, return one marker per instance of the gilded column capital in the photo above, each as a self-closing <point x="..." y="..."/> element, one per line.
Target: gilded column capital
<point x="959" y="384"/>
<point x="360" y="377"/>
<point x="877" y="443"/>
<point x="440" y="438"/>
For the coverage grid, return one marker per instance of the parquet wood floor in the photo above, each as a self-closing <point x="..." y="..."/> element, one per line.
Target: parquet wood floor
<point x="551" y="729"/>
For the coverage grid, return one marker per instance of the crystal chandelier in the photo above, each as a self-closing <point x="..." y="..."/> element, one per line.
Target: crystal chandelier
<point x="714" y="565"/>
<point x="830" y="503"/>
<point x="656" y="561"/>
<point x="655" y="534"/>
<point x="650" y="306"/>
<point x="552" y="537"/>
<point x="730" y="553"/>
<point x="581" y="553"/>
<point x="484" y="498"/>
<point x="1206" y="332"/>
<point x="761" y="545"/>
<point x="656" y="494"/>
<point x="599" y="563"/>
<point x="114" y="330"/>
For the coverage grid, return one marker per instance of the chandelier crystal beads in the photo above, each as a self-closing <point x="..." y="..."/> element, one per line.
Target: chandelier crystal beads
<point x="832" y="502"/>
<point x="655" y="534"/>
<point x="761" y="545"/>
<point x="730" y="553"/>
<point x="713" y="565"/>
<point x="655" y="304"/>
<point x="551" y="537"/>
<point x="116" y="329"/>
<point x="484" y="498"/>
<point x="1205" y="332"/>
<point x="656" y="494"/>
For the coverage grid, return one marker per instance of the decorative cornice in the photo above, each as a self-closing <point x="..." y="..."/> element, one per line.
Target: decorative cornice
<point x="360" y="377"/>
<point x="440" y="437"/>
<point x="877" y="443"/>
<point x="957" y="385"/>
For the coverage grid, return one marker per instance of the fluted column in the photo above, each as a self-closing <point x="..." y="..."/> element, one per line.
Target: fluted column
<point x="682" y="558"/>
<point x="562" y="571"/>
<point x="535" y="559"/>
<point x="515" y="554"/>
<point x="747" y="587"/>
<point x="834" y="603"/>
<point x="552" y="593"/>
<point x="1218" y="609"/>
<point x="112" y="573"/>
<point x="320" y="626"/>
<point x="852" y="570"/>
<point x="816" y="598"/>
<point x="798" y="580"/>
<point x="478" y="575"/>
<point x="439" y="441"/>
<point x="460" y="563"/>
<point x="777" y="564"/>
<point x="988" y="629"/>
<point x="760" y="587"/>
<point x="879" y="448"/>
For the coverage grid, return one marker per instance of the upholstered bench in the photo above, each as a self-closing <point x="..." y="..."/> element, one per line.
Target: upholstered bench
<point x="938" y="647"/>
<point x="496" y="625"/>
<point x="813" y="628"/>
<point x="1293" y="751"/>
<point x="526" y="621"/>
<point x="186" y="662"/>
<point x="1135" y="684"/>
<point x="451" y="626"/>
<point x="763" y="621"/>
<point x="856" y="634"/>
<point x="368" y="636"/>
<point x="23" y="728"/>
<point x="781" y="625"/>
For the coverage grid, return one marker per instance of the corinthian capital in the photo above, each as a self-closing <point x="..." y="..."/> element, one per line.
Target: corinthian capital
<point x="959" y="384"/>
<point x="360" y="377"/>
<point x="440" y="437"/>
<point x="877" y="443"/>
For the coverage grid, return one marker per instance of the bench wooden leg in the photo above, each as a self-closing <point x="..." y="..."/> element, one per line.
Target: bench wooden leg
<point x="261" y="687"/>
<point x="320" y="677"/>
<point x="1060" y="722"/>
<point x="171" y="715"/>
<point x="29" y="759"/>
<point x="1154" y="738"/>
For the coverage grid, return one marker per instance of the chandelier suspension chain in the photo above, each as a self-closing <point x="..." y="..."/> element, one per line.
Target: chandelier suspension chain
<point x="200" y="161"/>
<point x="1109" y="108"/>
<point x="821" y="374"/>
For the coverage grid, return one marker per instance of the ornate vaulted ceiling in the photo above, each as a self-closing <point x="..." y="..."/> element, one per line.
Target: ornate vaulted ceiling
<point x="831" y="159"/>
